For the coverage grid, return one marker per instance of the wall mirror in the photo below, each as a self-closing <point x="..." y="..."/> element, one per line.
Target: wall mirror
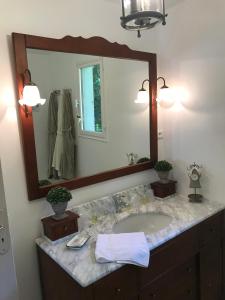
<point x="89" y="129"/>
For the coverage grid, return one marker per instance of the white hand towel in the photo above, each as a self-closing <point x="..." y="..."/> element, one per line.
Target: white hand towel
<point x="128" y="248"/>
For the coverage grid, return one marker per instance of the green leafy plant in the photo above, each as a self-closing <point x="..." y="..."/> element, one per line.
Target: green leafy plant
<point x="163" y="166"/>
<point x="58" y="194"/>
<point x="142" y="160"/>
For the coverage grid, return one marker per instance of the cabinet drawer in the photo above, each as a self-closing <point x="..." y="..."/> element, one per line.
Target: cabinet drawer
<point x="177" y="284"/>
<point x="210" y="230"/>
<point x="120" y="285"/>
<point x="175" y="253"/>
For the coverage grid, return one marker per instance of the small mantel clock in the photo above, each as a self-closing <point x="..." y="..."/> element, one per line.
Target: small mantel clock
<point x="194" y="173"/>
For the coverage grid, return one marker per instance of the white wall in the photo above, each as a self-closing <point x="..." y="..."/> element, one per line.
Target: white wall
<point x="8" y="284"/>
<point x="55" y="19"/>
<point x="192" y="55"/>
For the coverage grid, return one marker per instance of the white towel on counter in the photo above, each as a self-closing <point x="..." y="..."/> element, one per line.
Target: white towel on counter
<point x="128" y="248"/>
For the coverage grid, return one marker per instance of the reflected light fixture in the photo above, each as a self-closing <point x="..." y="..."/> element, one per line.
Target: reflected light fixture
<point x="31" y="94"/>
<point x="142" y="14"/>
<point x="143" y="95"/>
<point x="164" y="92"/>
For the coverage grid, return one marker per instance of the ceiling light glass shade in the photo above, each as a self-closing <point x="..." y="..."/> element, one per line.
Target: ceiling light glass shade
<point x="142" y="14"/>
<point x="31" y="96"/>
<point x="142" y="97"/>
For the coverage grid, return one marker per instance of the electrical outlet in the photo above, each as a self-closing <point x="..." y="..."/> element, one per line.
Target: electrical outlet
<point x="160" y="135"/>
<point x="4" y="243"/>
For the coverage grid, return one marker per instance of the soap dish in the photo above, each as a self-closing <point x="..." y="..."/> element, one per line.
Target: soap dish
<point x="78" y="241"/>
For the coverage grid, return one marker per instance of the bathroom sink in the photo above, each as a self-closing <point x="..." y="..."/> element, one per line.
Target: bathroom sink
<point x="147" y="223"/>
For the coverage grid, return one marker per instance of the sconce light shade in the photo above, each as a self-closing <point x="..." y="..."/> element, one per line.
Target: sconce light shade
<point x="142" y="14"/>
<point x="164" y="95"/>
<point x="31" y="96"/>
<point x="142" y="97"/>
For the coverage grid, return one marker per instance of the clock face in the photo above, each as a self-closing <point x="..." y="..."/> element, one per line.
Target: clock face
<point x="194" y="177"/>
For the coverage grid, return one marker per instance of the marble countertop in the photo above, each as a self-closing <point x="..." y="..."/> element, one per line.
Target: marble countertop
<point x="81" y="264"/>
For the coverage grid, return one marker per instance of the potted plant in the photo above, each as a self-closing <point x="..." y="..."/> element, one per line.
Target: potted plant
<point x="58" y="197"/>
<point x="163" y="168"/>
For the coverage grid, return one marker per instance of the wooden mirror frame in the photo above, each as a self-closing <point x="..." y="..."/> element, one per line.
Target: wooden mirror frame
<point x="91" y="46"/>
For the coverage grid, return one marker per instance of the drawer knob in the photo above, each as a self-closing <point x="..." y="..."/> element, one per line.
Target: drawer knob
<point x="118" y="290"/>
<point x="202" y="243"/>
<point x="153" y="296"/>
<point x="189" y="292"/>
<point x="189" y="269"/>
<point x="65" y="228"/>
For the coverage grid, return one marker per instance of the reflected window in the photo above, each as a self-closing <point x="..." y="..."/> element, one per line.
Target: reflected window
<point x="91" y="99"/>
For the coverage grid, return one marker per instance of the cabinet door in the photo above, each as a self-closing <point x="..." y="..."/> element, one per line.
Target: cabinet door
<point x="178" y="284"/>
<point x="120" y="285"/>
<point x="211" y="272"/>
<point x="210" y="231"/>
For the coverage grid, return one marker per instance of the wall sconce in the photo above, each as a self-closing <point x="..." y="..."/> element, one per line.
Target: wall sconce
<point x="143" y="95"/>
<point x="31" y="94"/>
<point x="142" y="14"/>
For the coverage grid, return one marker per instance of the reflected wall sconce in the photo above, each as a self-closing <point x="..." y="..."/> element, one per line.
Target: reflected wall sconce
<point x="142" y="14"/>
<point x="31" y="94"/>
<point x="164" y="92"/>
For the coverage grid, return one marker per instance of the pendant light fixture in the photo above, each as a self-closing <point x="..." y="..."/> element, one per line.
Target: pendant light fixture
<point x="142" y="14"/>
<point x="31" y="94"/>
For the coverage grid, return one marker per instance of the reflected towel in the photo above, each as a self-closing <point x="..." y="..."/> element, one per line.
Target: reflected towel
<point x="64" y="158"/>
<point x="128" y="248"/>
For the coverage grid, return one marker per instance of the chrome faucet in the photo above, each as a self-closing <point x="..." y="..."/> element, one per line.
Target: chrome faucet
<point x="132" y="157"/>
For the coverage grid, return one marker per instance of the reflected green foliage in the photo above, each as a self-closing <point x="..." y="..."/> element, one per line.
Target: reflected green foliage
<point x="97" y="98"/>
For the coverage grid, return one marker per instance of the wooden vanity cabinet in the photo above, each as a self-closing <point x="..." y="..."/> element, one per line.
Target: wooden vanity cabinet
<point x="188" y="267"/>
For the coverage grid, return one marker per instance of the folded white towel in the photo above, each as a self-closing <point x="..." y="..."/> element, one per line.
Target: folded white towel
<point x="128" y="248"/>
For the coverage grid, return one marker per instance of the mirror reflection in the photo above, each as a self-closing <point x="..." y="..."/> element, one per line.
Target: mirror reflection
<point x="90" y="122"/>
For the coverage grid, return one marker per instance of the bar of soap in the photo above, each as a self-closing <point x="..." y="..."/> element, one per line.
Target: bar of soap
<point x="78" y="241"/>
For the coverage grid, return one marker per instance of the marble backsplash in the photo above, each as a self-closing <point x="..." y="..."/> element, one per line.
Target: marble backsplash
<point x="129" y="199"/>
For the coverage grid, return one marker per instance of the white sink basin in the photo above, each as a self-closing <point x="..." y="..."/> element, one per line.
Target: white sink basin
<point x="147" y="223"/>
